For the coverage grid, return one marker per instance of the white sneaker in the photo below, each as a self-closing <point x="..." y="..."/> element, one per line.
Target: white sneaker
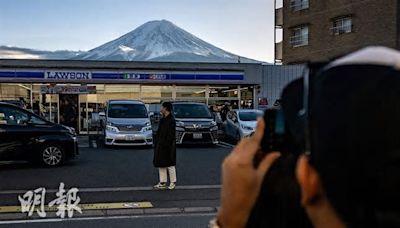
<point x="172" y="186"/>
<point x="160" y="186"/>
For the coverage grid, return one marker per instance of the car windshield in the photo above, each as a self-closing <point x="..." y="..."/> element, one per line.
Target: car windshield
<point x="191" y="111"/>
<point x="127" y="111"/>
<point x="249" y="116"/>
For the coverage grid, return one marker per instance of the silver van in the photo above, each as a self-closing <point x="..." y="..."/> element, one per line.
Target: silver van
<point x="126" y="123"/>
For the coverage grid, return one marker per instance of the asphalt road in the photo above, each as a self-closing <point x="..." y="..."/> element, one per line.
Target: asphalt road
<point x="116" y="167"/>
<point x="180" y="221"/>
<point x="110" y="175"/>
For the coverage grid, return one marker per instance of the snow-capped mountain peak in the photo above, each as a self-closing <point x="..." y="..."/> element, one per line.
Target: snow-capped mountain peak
<point x="152" y="41"/>
<point x="159" y="41"/>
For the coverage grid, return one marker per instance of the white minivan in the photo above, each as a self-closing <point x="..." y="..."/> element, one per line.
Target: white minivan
<point x="126" y="123"/>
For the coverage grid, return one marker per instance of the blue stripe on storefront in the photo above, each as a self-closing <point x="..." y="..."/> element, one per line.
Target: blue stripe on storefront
<point x="131" y="76"/>
<point x="29" y="74"/>
<point x="183" y="77"/>
<point x="207" y="77"/>
<point x="107" y="76"/>
<point x="18" y="74"/>
<point x="7" y="74"/>
<point x="231" y="77"/>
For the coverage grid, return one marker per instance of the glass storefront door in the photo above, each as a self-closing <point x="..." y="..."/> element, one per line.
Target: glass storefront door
<point x="69" y="110"/>
<point x="50" y="107"/>
<point x="90" y="105"/>
<point x="224" y="95"/>
<point x="247" y="97"/>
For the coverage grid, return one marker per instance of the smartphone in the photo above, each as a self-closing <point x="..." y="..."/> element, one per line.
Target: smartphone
<point x="274" y="134"/>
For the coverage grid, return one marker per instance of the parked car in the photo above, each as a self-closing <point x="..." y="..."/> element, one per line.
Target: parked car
<point x="26" y="136"/>
<point x="194" y="124"/>
<point x="241" y="123"/>
<point x="126" y="123"/>
<point x="18" y="103"/>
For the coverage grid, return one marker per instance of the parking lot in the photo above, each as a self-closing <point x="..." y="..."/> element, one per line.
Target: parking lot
<point x="122" y="174"/>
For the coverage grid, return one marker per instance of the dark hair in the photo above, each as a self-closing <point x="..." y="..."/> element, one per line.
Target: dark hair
<point x="168" y="106"/>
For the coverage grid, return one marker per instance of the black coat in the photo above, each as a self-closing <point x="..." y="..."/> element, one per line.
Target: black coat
<point x="165" y="143"/>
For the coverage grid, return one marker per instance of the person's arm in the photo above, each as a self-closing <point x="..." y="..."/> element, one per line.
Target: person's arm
<point x="241" y="182"/>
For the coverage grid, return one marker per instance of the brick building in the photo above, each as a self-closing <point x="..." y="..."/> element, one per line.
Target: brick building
<point x="319" y="30"/>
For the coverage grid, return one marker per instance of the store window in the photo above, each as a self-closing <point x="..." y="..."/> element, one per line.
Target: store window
<point x="224" y="92"/>
<point x="157" y="91"/>
<point x="247" y="97"/>
<point x="18" y="94"/>
<point x="190" y="91"/>
<point x="224" y="95"/>
<point x="117" y="92"/>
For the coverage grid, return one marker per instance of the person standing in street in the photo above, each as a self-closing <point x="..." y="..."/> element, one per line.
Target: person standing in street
<point x="165" y="148"/>
<point x="224" y="111"/>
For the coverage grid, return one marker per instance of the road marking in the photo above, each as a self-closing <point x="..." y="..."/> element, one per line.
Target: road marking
<point x="105" y="218"/>
<point x="118" y="189"/>
<point x="89" y="206"/>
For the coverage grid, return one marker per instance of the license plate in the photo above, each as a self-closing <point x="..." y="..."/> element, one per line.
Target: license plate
<point x="130" y="138"/>
<point x="197" y="136"/>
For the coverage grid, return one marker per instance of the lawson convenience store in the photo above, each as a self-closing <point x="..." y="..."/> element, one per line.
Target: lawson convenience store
<point x="46" y="86"/>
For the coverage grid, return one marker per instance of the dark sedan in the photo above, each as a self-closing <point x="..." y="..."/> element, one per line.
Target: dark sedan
<point x="26" y="136"/>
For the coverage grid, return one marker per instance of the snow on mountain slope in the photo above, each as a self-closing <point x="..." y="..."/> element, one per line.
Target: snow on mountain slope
<point x="160" y="41"/>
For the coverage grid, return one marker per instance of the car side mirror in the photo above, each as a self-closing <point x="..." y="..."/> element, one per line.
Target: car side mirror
<point x="102" y="114"/>
<point x="151" y="114"/>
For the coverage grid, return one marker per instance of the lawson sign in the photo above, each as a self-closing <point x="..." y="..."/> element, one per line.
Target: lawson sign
<point x="68" y="75"/>
<point x="76" y="75"/>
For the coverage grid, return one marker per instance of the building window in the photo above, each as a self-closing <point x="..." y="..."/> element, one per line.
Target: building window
<point x="299" y="36"/>
<point x="342" y="26"/>
<point x="297" y="5"/>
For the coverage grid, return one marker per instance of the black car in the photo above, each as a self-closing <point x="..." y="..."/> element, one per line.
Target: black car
<point x="26" y="136"/>
<point x="194" y="124"/>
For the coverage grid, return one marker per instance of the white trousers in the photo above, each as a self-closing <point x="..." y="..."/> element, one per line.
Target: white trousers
<point x="163" y="174"/>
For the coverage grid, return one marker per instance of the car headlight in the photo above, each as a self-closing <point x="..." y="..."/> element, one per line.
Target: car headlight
<point x="215" y="128"/>
<point x="111" y="128"/>
<point x="180" y="124"/>
<point x="213" y="123"/>
<point x="148" y="124"/>
<point x="247" y="128"/>
<point x="148" y="128"/>
<point x="71" y="130"/>
<point x="179" y="129"/>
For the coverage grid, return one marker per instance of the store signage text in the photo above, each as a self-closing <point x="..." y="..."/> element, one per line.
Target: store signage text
<point x="68" y="75"/>
<point x="46" y="89"/>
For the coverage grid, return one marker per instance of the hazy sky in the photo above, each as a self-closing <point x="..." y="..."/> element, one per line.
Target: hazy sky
<point x="243" y="27"/>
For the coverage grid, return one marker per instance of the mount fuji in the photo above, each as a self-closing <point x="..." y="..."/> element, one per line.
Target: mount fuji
<point x="153" y="41"/>
<point x="160" y="41"/>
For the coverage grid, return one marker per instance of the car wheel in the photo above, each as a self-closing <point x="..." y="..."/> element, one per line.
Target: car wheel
<point x="52" y="155"/>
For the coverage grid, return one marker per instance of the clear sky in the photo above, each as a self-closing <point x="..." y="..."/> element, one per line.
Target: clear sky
<point x="243" y="27"/>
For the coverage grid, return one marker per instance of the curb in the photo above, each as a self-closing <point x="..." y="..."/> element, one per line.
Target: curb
<point x="113" y="212"/>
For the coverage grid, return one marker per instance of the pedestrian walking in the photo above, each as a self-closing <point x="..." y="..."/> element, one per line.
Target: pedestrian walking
<point x="165" y="149"/>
